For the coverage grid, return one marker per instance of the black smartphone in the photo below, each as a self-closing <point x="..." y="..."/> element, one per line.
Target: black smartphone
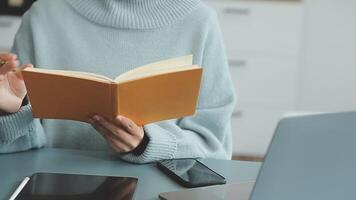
<point x="190" y="172"/>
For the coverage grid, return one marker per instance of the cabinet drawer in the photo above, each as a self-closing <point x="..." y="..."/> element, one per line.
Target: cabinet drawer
<point x="253" y="128"/>
<point x="265" y="79"/>
<point x="260" y="26"/>
<point x="8" y="29"/>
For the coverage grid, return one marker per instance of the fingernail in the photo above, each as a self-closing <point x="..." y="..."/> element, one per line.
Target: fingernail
<point x="96" y="117"/>
<point x="119" y="117"/>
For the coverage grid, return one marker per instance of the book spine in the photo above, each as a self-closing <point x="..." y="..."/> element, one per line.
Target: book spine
<point x="115" y="99"/>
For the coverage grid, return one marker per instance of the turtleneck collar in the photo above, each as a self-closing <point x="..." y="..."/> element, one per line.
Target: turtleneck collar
<point x="134" y="14"/>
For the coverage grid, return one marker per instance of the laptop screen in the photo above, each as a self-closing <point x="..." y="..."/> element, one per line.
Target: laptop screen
<point x="310" y="157"/>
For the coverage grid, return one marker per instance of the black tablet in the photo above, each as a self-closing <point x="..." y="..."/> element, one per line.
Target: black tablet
<point x="51" y="186"/>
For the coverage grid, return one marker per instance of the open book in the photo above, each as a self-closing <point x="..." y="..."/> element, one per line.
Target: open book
<point x="163" y="90"/>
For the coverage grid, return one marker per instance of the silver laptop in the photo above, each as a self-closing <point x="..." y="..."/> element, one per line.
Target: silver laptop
<point x="310" y="157"/>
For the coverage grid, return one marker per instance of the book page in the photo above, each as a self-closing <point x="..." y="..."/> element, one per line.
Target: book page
<point x="154" y="72"/>
<point x="76" y="74"/>
<point x="173" y="63"/>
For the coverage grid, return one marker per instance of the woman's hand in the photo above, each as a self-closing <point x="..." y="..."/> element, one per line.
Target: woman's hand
<point x="12" y="86"/>
<point x="122" y="134"/>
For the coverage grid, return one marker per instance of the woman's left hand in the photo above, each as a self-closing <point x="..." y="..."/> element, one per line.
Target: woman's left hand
<point x="122" y="134"/>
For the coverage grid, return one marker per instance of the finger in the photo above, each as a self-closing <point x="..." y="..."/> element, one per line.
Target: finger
<point x="16" y="85"/>
<point x="126" y="123"/>
<point x="23" y="67"/>
<point x="98" y="128"/>
<point x="112" y="128"/>
<point x="8" y="56"/>
<point x="117" y="145"/>
<point x="11" y="65"/>
<point x="102" y="130"/>
<point x="116" y="133"/>
<point x="109" y="137"/>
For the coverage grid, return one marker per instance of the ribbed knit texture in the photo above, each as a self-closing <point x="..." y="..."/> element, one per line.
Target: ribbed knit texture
<point x="22" y="128"/>
<point x="17" y="125"/>
<point x="113" y="37"/>
<point x="134" y="14"/>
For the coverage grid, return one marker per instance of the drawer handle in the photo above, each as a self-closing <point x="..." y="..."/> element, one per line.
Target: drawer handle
<point x="238" y="113"/>
<point x="237" y="11"/>
<point x="237" y="63"/>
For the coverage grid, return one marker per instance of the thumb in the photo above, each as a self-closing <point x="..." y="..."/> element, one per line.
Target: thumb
<point x="23" y="67"/>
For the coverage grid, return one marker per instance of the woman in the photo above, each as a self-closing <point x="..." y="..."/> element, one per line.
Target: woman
<point x="111" y="37"/>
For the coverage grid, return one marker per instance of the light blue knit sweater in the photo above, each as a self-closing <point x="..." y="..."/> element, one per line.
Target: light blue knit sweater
<point x="111" y="37"/>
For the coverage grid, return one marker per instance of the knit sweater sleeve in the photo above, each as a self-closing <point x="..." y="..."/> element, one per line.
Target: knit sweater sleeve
<point x="208" y="132"/>
<point x="20" y="131"/>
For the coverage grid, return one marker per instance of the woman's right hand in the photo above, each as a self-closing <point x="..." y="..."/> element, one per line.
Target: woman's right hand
<point x="12" y="86"/>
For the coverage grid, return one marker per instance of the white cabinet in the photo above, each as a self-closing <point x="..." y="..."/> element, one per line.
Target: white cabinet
<point x="8" y="28"/>
<point x="253" y="127"/>
<point x="260" y="26"/>
<point x="262" y="40"/>
<point x="265" y="79"/>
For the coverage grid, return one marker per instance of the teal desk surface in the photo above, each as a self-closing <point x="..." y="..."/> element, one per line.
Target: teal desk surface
<point x="14" y="167"/>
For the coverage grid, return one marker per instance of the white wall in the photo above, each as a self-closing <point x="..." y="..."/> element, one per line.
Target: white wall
<point x="328" y="73"/>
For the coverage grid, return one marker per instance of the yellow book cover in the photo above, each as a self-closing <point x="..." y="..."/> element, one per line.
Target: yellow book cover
<point x="159" y="91"/>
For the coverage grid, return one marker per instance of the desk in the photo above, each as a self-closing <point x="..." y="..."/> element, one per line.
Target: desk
<point x="14" y="167"/>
